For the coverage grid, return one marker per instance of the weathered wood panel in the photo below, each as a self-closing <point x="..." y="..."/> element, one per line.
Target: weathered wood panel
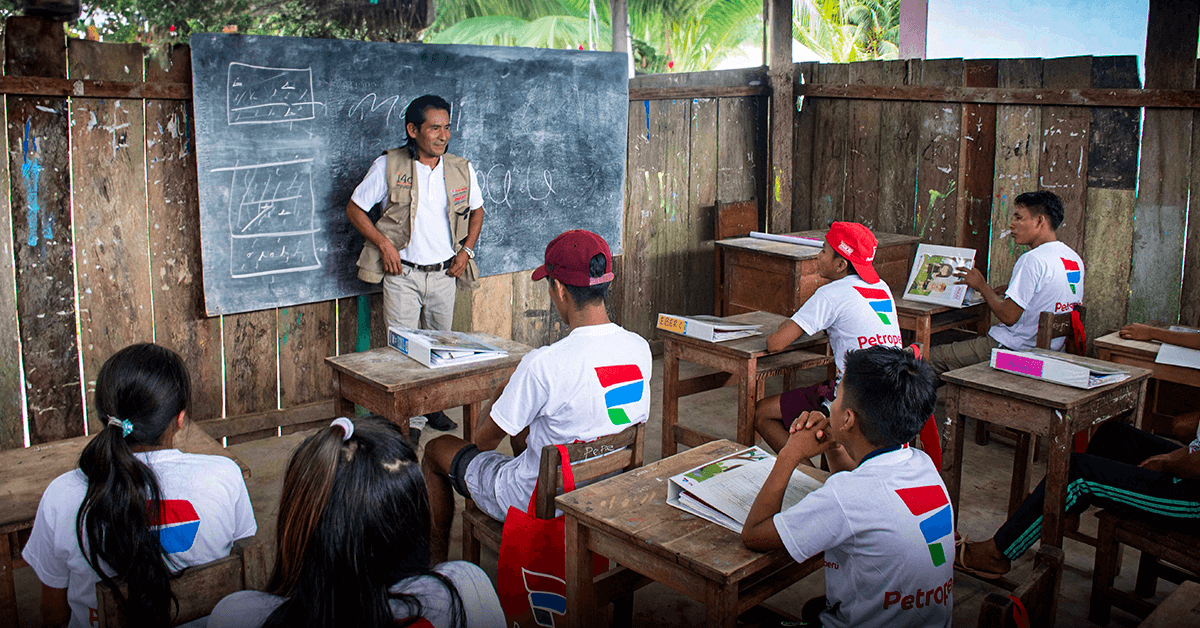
<point x="39" y="166"/>
<point x="1062" y="166"/>
<point x="977" y="157"/>
<point x="830" y="144"/>
<point x="862" y="162"/>
<point x="1189" y="300"/>
<point x="251" y="376"/>
<point x="174" y="225"/>
<point x="675" y="271"/>
<point x="491" y="312"/>
<point x="1161" y="210"/>
<point x="741" y="150"/>
<point x="108" y="194"/>
<point x="701" y="199"/>
<point x="12" y="414"/>
<point x="643" y="164"/>
<point x="306" y="337"/>
<point x="1111" y="179"/>
<point x="938" y="156"/>
<point x="534" y="320"/>
<point x="897" y="155"/>
<point x="1017" y="151"/>
<point x="802" y="160"/>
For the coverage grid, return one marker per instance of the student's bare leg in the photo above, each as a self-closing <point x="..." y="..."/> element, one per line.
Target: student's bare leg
<point x="768" y="422"/>
<point x="439" y="453"/>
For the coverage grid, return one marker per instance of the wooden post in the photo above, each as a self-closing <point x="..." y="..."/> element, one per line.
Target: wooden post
<point x="1161" y="206"/>
<point x="783" y="111"/>
<point x="620" y="25"/>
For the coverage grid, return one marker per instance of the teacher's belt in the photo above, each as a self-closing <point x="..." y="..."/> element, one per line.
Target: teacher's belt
<point x="429" y="268"/>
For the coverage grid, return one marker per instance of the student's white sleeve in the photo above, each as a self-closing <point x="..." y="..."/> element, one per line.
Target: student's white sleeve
<point x="244" y="524"/>
<point x="814" y="525"/>
<point x="373" y="188"/>
<point x="479" y="599"/>
<point x="49" y="561"/>
<point x="475" y="199"/>
<point x="1026" y="277"/>
<point x="817" y="314"/>
<point x="523" y="399"/>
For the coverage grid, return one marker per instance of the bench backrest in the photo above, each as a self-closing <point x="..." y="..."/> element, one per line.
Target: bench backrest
<point x="1051" y="326"/>
<point x="608" y="454"/>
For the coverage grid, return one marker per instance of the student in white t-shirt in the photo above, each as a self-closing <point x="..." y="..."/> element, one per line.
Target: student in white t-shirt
<point x="855" y="309"/>
<point x="129" y="468"/>
<point x="352" y="543"/>
<point x="1046" y="278"/>
<point x="593" y="383"/>
<point x="883" y="518"/>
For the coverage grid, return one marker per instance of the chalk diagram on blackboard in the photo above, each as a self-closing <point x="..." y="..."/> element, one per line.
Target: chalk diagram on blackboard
<point x="271" y="221"/>
<point x="262" y="95"/>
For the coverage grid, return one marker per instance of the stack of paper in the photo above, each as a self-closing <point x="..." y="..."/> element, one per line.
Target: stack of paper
<point x="437" y="349"/>
<point x="1060" y="368"/>
<point x="723" y="491"/>
<point x="710" y="328"/>
<point x="932" y="278"/>
<point x="1179" y="356"/>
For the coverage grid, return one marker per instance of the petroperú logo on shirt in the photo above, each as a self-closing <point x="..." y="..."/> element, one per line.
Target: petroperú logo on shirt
<point x="1073" y="274"/>
<point x="920" y="500"/>
<point x="623" y="385"/>
<point x="879" y="300"/>
<point x="177" y="525"/>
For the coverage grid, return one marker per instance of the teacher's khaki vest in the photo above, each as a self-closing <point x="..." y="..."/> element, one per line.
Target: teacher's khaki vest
<point x="399" y="215"/>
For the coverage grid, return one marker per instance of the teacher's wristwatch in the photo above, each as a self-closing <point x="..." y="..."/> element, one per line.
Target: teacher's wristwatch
<point x="470" y="252"/>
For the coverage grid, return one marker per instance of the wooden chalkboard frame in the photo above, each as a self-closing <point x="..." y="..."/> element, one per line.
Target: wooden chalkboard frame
<point x="545" y="129"/>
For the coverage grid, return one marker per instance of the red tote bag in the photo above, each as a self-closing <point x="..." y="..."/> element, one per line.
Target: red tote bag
<point x="530" y="574"/>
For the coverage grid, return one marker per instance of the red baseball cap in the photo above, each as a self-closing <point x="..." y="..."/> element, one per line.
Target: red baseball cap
<point x="857" y="244"/>
<point x="569" y="256"/>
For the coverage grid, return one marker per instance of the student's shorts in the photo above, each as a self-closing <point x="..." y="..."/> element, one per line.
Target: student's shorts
<point x="473" y="474"/>
<point x="797" y="401"/>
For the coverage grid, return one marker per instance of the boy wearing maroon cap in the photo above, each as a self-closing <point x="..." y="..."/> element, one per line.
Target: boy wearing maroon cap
<point x="592" y="383"/>
<point x="855" y="308"/>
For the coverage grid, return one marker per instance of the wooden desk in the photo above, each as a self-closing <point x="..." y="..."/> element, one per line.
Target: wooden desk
<point x="1114" y="348"/>
<point x="396" y="386"/>
<point x="926" y="319"/>
<point x="1038" y="407"/>
<point x="744" y="361"/>
<point x="627" y="518"/>
<point x="754" y="274"/>
<point x="30" y="470"/>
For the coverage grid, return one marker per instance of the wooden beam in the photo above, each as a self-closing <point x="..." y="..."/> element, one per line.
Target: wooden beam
<point x="783" y="112"/>
<point x="671" y="93"/>
<point x="1091" y="97"/>
<point x="61" y="87"/>
<point x="620" y="25"/>
<point x="258" y="421"/>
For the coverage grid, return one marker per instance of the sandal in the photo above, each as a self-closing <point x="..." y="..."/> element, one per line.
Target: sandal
<point x="960" y="547"/>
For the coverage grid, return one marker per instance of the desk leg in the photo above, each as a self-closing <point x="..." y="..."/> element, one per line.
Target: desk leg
<point x="921" y="335"/>
<point x="952" y="457"/>
<point x="670" y="405"/>
<point x="470" y="418"/>
<point x="747" y="402"/>
<point x="1057" y="463"/>
<point x="721" y="605"/>
<point x="581" y="604"/>
<point x="8" y="588"/>
<point x="341" y="405"/>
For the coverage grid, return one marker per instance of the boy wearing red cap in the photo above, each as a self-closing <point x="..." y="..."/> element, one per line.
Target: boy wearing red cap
<point x="593" y="383"/>
<point x="855" y="308"/>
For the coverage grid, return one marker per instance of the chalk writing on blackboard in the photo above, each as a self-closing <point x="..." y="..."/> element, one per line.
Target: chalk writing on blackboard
<point x="261" y="95"/>
<point x="497" y="184"/>
<point x="271" y="222"/>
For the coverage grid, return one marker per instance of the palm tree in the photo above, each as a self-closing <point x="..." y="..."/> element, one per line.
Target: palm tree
<point x="848" y="30"/>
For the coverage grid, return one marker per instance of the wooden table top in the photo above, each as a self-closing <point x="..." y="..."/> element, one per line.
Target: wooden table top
<point x="801" y="251"/>
<point x="30" y="470"/>
<point x="751" y="346"/>
<point x="983" y="377"/>
<point x="390" y="370"/>
<point x="633" y="507"/>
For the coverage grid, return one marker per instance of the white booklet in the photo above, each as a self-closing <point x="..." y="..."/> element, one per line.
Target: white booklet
<point x="437" y="349"/>
<point x="722" y="491"/>
<point x="932" y="277"/>
<point x="1060" y="368"/>
<point x="1176" y="355"/>
<point x="705" y="327"/>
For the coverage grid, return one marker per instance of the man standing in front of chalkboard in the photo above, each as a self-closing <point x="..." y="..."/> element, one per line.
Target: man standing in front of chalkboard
<point x="422" y="246"/>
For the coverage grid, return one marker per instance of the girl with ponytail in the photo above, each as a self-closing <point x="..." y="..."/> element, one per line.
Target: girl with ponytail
<point x="353" y="543"/>
<point x="136" y="510"/>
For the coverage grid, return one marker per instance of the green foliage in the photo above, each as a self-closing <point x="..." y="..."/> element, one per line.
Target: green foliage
<point x="848" y="30"/>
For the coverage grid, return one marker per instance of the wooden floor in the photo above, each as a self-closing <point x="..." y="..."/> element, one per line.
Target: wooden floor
<point x="985" y="490"/>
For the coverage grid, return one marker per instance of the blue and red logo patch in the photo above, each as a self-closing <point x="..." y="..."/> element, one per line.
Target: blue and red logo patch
<point x="1073" y="273"/>
<point x="921" y="500"/>
<point x="879" y="300"/>
<point x="623" y="385"/>
<point x="177" y="525"/>
<point x="547" y="596"/>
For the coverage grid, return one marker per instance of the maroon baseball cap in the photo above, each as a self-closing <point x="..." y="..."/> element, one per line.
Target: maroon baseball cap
<point x="857" y="244"/>
<point x="569" y="256"/>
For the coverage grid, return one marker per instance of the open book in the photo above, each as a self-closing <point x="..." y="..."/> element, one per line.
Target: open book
<point x="441" y="348"/>
<point x="932" y="277"/>
<point x="1060" y="368"/>
<point x="704" y="327"/>
<point x="723" y="490"/>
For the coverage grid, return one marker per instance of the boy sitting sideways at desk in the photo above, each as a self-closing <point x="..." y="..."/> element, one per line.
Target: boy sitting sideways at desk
<point x="855" y="308"/>
<point x="883" y="518"/>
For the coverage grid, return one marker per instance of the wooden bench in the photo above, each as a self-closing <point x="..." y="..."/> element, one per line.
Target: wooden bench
<point x="1176" y="548"/>
<point x="1181" y="609"/>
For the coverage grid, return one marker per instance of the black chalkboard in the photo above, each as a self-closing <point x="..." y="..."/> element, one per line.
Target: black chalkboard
<point x="286" y="128"/>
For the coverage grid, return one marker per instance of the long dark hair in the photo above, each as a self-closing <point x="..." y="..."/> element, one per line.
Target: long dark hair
<point x="353" y="521"/>
<point x="415" y="113"/>
<point x="147" y="386"/>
